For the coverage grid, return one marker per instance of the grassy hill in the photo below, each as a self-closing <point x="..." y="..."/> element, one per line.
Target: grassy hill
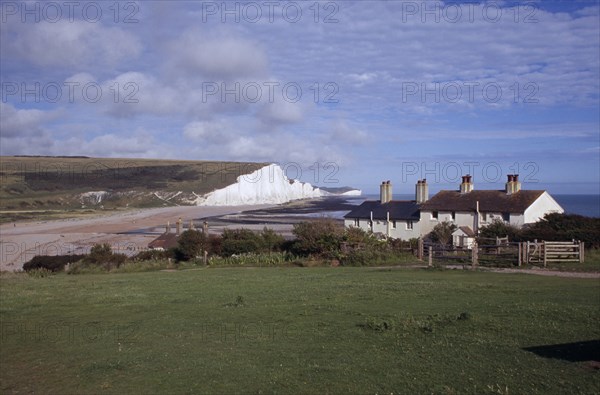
<point x="47" y="184"/>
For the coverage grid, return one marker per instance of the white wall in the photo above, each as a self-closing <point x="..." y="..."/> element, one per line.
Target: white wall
<point x="401" y="230"/>
<point x="543" y="205"/>
<point x="460" y="219"/>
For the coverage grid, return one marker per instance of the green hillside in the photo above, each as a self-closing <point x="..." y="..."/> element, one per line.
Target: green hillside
<point x="38" y="184"/>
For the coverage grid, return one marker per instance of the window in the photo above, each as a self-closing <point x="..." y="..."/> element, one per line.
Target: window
<point x="454" y="216"/>
<point x="409" y="225"/>
<point x="434" y="215"/>
<point x="357" y="222"/>
<point x="484" y="217"/>
<point x="394" y="224"/>
<point x="506" y="217"/>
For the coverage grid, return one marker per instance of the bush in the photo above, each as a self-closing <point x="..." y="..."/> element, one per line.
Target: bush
<point x="499" y="228"/>
<point x="55" y="263"/>
<point x="442" y="233"/>
<point x="152" y="255"/>
<point x="102" y="255"/>
<point x="271" y="240"/>
<point x="240" y="241"/>
<point x="39" y="273"/>
<point x="244" y="241"/>
<point x="564" y="227"/>
<point x="321" y="237"/>
<point x="191" y="244"/>
<point x="262" y="259"/>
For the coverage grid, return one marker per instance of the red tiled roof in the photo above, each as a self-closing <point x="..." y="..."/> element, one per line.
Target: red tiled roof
<point x="489" y="201"/>
<point x="164" y="241"/>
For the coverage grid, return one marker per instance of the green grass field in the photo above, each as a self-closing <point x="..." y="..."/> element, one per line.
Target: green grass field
<point x="296" y="330"/>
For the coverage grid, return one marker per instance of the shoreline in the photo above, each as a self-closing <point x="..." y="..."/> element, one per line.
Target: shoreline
<point x="130" y="231"/>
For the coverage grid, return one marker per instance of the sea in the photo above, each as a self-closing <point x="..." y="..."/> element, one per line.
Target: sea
<point x="587" y="205"/>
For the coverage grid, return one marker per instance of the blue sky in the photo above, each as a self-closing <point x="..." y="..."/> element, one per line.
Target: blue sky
<point x="396" y="90"/>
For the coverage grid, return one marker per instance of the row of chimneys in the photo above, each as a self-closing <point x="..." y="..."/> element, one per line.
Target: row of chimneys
<point x="422" y="189"/>
<point x="180" y="223"/>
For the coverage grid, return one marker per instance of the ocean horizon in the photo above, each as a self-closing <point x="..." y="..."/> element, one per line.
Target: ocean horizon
<point x="587" y="205"/>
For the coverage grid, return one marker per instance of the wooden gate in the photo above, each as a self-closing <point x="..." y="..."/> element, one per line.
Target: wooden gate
<point x="552" y="251"/>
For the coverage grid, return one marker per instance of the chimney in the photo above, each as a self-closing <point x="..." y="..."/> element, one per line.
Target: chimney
<point x="385" y="192"/>
<point x="389" y="191"/>
<point x="178" y="232"/>
<point x="467" y="185"/>
<point x="421" y="191"/>
<point x="512" y="184"/>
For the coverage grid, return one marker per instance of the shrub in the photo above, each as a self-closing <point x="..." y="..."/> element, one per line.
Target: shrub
<point x="271" y="240"/>
<point x="251" y="259"/>
<point x="240" y="241"/>
<point x="321" y="237"/>
<point x="152" y="255"/>
<point x="499" y="228"/>
<point x="102" y="255"/>
<point x="39" y="273"/>
<point x="191" y="244"/>
<point x="53" y="263"/>
<point x="442" y="233"/>
<point x="564" y="227"/>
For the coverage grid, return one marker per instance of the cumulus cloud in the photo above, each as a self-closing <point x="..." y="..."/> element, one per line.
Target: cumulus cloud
<point x="73" y="44"/>
<point x="218" y="56"/>
<point x="281" y="112"/>
<point x="24" y="122"/>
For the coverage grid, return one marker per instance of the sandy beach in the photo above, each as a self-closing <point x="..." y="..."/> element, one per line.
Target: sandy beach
<point x="127" y="233"/>
<point x="130" y="232"/>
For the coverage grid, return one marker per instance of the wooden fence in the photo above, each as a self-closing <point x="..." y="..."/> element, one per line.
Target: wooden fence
<point x="545" y="252"/>
<point x="504" y="254"/>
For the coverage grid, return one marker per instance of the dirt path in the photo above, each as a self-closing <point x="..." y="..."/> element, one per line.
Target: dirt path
<point x="552" y="273"/>
<point x="538" y="272"/>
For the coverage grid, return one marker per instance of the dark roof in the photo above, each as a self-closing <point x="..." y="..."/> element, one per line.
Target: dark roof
<point x="164" y="241"/>
<point x="398" y="209"/>
<point x="489" y="201"/>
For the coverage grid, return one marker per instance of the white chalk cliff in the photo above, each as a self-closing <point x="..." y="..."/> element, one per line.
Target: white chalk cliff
<point x="268" y="185"/>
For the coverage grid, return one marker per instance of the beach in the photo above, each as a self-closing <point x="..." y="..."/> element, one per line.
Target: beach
<point x="130" y="232"/>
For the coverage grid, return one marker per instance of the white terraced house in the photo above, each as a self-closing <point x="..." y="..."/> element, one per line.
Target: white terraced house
<point x="466" y="207"/>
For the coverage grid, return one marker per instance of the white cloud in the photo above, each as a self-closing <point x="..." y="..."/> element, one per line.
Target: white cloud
<point x="24" y="122"/>
<point x="281" y="111"/>
<point x="220" y="56"/>
<point x="76" y="44"/>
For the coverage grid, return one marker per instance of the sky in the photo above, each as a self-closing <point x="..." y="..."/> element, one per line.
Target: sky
<point x="338" y="93"/>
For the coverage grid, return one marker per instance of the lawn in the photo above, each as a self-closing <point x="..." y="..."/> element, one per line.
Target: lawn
<point x="298" y="330"/>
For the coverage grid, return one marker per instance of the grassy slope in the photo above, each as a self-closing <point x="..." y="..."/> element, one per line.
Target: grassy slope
<point x="51" y="183"/>
<point x="298" y="331"/>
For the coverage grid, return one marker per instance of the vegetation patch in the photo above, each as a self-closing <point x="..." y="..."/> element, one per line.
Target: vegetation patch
<point x="295" y="331"/>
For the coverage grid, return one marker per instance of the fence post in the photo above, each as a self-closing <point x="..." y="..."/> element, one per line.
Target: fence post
<point x="544" y="246"/>
<point x="420" y="248"/>
<point x="430" y="256"/>
<point x="581" y="252"/>
<point x="474" y="252"/>
<point x="520" y="252"/>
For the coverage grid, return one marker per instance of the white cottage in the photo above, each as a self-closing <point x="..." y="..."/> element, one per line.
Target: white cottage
<point x="398" y="219"/>
<point x="466" y="207"/>
<point x="475" y="209"/>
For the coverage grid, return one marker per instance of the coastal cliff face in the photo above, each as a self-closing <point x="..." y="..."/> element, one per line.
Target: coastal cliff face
<point x="268" y="185"/>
